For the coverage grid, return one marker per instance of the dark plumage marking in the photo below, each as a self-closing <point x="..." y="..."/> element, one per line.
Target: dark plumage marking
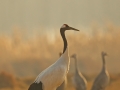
<point x="36" y="86"/>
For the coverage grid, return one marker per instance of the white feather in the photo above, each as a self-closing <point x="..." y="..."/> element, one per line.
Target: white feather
<point x="55" y="73"/>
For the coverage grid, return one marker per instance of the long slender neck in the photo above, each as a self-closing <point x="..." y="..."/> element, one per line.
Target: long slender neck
<point x="64" y="39"/>
<point x="103" y="58"/>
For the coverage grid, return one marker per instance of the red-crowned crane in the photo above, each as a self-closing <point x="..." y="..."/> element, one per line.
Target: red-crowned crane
<point x="54" y="75"/>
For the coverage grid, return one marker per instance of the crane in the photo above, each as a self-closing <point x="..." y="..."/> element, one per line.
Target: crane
<point x="102" y="80"/>
<point x="79" y="80"/>
<point x="54" y="75"/>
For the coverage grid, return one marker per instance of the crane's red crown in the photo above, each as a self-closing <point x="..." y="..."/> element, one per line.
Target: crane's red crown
<point x="64" y="26"/>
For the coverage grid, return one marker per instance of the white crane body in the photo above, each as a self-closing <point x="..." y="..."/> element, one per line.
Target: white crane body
<point x="55" y="73"/>
<point x="64" y="84"/>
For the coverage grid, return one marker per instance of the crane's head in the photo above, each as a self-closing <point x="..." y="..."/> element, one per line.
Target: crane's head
<point x="73" y="56"/>
<point x="66" y="27"/>
<point x="103" y="53"/>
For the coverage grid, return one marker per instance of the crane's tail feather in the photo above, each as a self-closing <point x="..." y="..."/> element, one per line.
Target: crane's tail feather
<point x="36" y="86"/>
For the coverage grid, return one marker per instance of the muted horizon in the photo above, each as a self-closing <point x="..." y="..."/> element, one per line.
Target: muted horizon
<point x="37" y="14"/>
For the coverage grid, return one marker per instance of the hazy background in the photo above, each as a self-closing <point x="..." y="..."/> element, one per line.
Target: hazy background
<point x="30" y="39"/>
<point x="35" y="14"/>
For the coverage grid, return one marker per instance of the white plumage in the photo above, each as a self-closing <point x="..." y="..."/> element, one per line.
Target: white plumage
<point x="102" y="80"/>
<point x="64" y="84"/>
<point x="79" y="80"/>
<point x="54" y="75"/>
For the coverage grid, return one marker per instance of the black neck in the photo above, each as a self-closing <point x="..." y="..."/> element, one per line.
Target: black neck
<point x="62" y="31"/>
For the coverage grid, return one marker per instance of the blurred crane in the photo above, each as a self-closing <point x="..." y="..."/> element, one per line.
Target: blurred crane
<point x="79" y="81"/>
<point x="54" y="75"/>
<point x="102" y="80"/>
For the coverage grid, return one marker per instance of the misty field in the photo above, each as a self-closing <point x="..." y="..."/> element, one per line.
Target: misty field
<point x="9" y="82"/>
<point x="23" y="57"/>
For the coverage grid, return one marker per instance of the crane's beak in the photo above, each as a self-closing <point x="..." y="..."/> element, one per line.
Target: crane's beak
<point x="71" y="28"/>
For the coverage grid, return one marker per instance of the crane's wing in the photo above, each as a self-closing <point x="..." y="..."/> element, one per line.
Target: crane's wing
<point x="36" y="86"/>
